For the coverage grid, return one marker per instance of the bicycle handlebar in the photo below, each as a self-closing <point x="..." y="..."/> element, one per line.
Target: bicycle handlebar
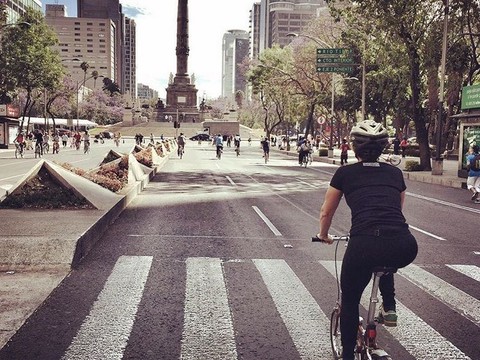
<point x="331" y="237"/>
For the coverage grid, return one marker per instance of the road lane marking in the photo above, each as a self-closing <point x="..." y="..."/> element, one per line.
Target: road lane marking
<point x="471" y="271"/>
<point x="449" y="204"/>
<point x="461" y="302"/>
<point x="230" y="180"/>
<point x="306" y="323"/>
<point x="306" y="183"/>
<point x="430" y="343"/>
<point x="105" y="331"/>
<point x="427" y="233"/>
<point x="12" y="177"/>
<point x="267" y="221"/>
<point x="208" y="326"/>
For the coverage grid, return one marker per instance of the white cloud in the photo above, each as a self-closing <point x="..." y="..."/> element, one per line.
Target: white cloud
<point x="156" y="39"/>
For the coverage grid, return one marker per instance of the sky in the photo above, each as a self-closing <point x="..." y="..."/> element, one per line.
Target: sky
<point x="156" y="22"/>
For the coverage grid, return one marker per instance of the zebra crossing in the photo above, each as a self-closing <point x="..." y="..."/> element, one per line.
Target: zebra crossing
<point x="209" y="327"/>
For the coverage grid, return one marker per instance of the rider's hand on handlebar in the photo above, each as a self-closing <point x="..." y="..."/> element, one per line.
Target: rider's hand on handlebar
<point x="326" y="239"/>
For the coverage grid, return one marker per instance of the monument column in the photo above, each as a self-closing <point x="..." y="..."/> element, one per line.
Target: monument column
<point x="181" y="93"/>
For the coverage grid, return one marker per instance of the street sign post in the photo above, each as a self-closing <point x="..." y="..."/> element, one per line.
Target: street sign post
<point x="334" y="60"/>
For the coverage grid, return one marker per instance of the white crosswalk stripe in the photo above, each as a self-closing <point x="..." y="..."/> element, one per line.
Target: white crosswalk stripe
<point x="209" y="325"/>
<point x="430" y="345"/>
<point x="458" y="300"/>
<point x="307" y="324"/>
<point x="104" y="333"/>
<point x="468" y="270"/>
<point x="208" y="328"/>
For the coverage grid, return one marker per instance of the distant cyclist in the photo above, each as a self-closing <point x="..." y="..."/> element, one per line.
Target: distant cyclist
<point x="266" y="148"/>
<point x="379" y="234"/>
<point x="218" y="141"/>
<point x="181" y="144"/>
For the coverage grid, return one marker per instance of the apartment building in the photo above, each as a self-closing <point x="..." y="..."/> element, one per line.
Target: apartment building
<point x="109" y="9"/>
<point x="16" y="8"/>
<point x="145" y="93"/>
<point x="235" y="48"/>
<point x="88" y="40"/>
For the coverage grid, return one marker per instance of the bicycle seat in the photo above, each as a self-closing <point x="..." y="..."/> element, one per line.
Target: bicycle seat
<point x="384" y="269"/>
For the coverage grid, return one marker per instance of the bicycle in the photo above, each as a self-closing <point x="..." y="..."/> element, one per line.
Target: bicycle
<point x="219" y="152"/>
<point x="366" y="346"/>
<point x="180" y="151"/>
<point x="55" y="147"/>
<point x="266" y="155"/>
<point x="307" y="159"/>
<point x="392" y="159"/>
<point x="86" y="146"/>
<point x="19" y="150"/>
<point x="38" y="150"/>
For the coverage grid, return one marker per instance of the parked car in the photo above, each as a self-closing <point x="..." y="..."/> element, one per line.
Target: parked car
<point x="105" y="135"/>
<point x="201" y="137"/>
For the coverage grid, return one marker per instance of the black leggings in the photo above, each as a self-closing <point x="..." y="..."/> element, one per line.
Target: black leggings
<point x="364" y="252"/>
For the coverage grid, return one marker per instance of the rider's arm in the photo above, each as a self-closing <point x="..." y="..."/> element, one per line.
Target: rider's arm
<point x="330" y="204"/>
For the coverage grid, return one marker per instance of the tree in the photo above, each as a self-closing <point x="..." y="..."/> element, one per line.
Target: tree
<point x="271" y="83"/>
<point x="407" y="22"/>
<point x="27" y="60"/>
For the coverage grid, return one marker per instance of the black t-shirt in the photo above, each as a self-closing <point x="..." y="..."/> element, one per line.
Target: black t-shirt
<point x="372" y="191"/>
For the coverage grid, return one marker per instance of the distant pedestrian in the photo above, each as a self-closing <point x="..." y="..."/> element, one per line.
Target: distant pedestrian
<point x="396" y="146"/>
<point x="404" y="145"/>
<point x="344" y="147"/>
<point x="473" y="167"/>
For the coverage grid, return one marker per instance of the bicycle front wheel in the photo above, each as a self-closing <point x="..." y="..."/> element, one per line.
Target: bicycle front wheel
<point x="335" y="338"/>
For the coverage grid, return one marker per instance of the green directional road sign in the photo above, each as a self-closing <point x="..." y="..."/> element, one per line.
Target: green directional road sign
<point x="325" y="60"/>
<point x="333" y="51"/>
<point x="334" y="69"/>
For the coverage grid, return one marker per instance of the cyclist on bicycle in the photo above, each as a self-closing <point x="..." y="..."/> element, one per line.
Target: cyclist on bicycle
<point x="304" y="149"/>
<point x="39" y="141"/>
<point x="86" y="141"/>
<point x="181" y="143"/>
<point x="266" y="147"/>
<point x="379" y="234"/>
<point x="218" y="141"/>
<point x="20" y="141"/>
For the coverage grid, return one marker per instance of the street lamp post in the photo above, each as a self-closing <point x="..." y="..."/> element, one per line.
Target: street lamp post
<point x="437" y="168"/>
<point x="80" y="85"/>
<point x="323" y="43"/>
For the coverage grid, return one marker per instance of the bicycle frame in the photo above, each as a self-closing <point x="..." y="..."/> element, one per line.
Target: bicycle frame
<point x="366" y="344"/>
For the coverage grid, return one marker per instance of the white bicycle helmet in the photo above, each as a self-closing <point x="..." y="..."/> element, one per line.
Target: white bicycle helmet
<point x="369" y="138"/>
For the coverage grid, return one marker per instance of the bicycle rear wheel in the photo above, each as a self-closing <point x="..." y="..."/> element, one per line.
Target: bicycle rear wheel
<point x="335" y="338"/>
<point x="395" y="160"/>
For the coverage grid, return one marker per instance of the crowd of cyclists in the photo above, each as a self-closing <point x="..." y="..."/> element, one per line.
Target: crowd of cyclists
<point x="42" y="141"/>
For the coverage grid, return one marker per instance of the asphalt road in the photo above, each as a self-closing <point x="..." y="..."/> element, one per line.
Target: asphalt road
<point x="213" y="260"/>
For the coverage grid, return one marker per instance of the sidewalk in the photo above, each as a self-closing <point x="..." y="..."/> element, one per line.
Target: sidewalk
<point x="24" y="289"/>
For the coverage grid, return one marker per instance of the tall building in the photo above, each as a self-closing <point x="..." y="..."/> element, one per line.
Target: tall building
<point x="16" y="8"/>
<point x="86" y="40"/>
<point x="277" y="18"/>
<point x="254" y="30"/>
<point x="108" y="9"/>
<point x="130" y="58"/>
<point x="235" y="48"/>
<point x="144" y="92"/>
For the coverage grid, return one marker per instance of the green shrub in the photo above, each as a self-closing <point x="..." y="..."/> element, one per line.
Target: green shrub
<point x="412" y="165"/>
<point x="323" y="152"/>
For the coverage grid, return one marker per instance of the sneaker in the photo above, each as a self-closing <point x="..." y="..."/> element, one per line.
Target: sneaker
<point x="387" y="318"/>
<point x="474" y="196"/>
